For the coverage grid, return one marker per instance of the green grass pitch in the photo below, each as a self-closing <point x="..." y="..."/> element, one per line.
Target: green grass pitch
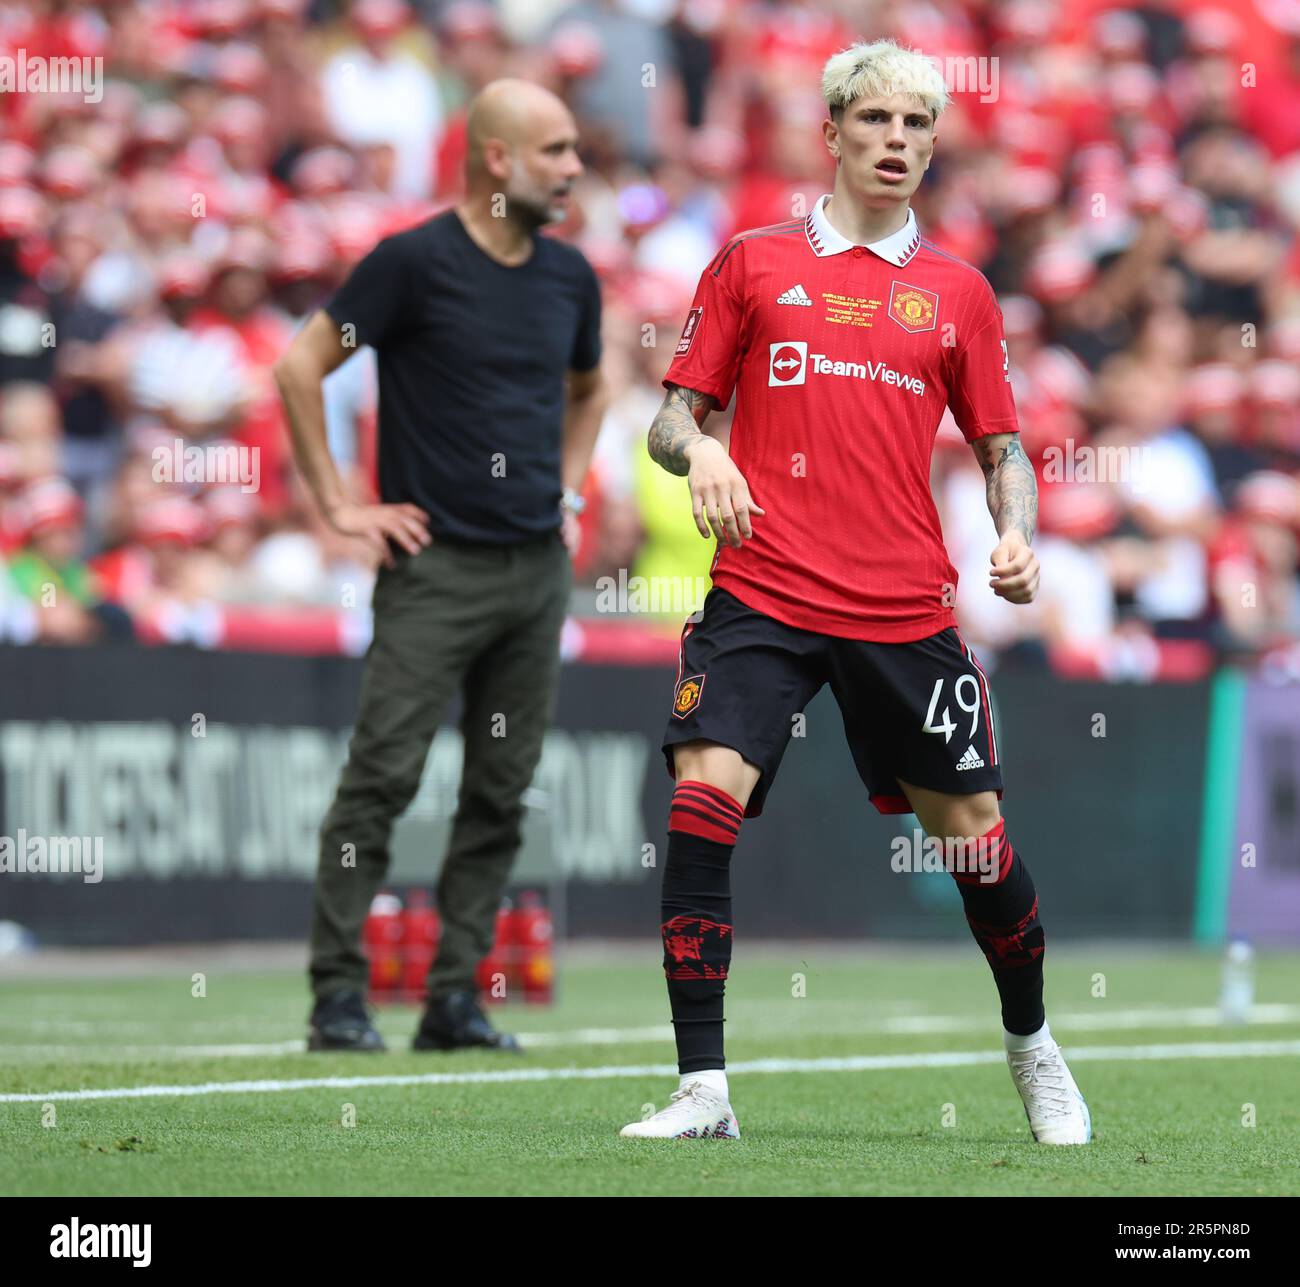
<point x="1166" y="1121"/>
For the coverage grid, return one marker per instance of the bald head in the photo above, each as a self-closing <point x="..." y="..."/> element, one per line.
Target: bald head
<point x="513" y="112"/>
<point x="522" y="141"/>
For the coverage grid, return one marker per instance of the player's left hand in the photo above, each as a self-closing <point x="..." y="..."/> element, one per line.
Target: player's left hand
<point x="1013" y="571"/>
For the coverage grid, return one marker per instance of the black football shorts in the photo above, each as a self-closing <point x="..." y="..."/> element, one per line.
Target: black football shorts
<point x="919" y="711"/>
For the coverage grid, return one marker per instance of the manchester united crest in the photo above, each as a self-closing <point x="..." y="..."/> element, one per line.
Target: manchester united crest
<point x="688" y="696"/>
<point x="912" y="308"/>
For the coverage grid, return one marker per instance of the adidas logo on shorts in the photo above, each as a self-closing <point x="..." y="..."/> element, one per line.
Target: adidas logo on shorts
<point x="795" y="295"/>
<point x="969" y="760"/>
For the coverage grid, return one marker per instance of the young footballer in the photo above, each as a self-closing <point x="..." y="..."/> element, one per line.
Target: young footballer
<point x="844" y="335"/>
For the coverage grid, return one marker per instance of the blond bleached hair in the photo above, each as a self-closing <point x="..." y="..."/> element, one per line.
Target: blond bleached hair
<point x="881" y="70"/>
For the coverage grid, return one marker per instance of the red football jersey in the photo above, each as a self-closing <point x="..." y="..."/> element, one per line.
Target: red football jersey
<point x="843" y="359"/>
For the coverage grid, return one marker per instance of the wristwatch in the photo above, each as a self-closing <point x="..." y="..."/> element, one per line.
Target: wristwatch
<point x="572" y="501"/>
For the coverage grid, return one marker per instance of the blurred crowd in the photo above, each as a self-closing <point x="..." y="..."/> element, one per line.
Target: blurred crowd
<point x="1128" y="180"/>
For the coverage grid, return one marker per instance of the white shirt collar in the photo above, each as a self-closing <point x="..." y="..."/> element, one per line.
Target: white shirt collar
<point x="897" y="248"/>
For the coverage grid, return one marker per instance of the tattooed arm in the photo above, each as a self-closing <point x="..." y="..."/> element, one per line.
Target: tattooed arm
<point x="720" y="497"/>
<point x="1012" y="492"/>
<point x="677" y="427"/>
<point x="1009" y="482"/>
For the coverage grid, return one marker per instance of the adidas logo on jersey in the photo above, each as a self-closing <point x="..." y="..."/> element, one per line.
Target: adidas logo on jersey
<point x="969" y="760"/>
<point x="795" y="295"/>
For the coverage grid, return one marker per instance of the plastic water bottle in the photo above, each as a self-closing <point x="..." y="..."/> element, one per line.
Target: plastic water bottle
<point x="1238" y="995"/>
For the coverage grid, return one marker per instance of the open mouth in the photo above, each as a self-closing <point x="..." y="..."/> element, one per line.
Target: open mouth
<point x="892" y="165"/>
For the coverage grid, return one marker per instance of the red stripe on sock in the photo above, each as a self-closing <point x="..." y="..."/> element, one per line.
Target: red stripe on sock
<point x="713" y="795"/>
<point x="702" y="810"/>
<point x="695" y="824"/>
<point x="994" y="841"/>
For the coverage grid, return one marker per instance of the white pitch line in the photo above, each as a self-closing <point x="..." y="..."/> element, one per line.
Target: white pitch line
<point x="295" y="1047"/>
<point x="246" y="1048"/>
<point x="1099" y="1020"/>
<point x="598" y="1036"/>
<point x="850" y="1063"/>
<point x="531" y="1040"/>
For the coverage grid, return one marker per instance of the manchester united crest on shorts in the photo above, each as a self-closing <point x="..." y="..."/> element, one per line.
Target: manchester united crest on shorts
<point x="688" y="696"/>
<point x="912" y="308"/>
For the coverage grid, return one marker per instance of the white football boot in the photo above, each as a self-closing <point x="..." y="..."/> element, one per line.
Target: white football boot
<point x="1057" y="1112"/>
<point x="694" y="1113"/>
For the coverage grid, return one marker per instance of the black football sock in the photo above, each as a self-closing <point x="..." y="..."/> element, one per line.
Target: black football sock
<point x="1002" y="912"/>
<point x="696" y="919"/>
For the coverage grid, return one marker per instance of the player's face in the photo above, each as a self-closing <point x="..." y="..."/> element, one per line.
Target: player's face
<point x="884" y="146"/>
<point x="546" y="165"/>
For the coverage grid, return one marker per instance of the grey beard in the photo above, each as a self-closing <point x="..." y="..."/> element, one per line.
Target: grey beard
<point x="528" y="215"/>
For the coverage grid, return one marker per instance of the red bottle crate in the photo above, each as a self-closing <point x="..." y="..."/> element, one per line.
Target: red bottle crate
<point x="496" y="974"/>
<point x="420" y="932"/>
<point x="382" y="939"/>
<point x="533" y="936"/>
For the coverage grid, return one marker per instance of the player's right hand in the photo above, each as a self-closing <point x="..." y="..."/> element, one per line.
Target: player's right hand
<point x="376" y="525"/>
<point x="720" y="497"/>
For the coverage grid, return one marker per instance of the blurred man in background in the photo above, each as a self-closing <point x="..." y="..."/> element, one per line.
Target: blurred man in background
<point x="490" y="398"/>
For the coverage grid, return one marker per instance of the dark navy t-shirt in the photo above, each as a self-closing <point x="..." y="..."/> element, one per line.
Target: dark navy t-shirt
<point x="472" y="363"/>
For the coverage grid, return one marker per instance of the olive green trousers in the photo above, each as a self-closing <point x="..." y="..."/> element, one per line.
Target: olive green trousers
<point x="485" y="620"/>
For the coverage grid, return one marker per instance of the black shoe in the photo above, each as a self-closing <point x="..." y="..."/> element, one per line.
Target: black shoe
<point x="455" y="1022"/>
<point x="340" y="1022"/>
